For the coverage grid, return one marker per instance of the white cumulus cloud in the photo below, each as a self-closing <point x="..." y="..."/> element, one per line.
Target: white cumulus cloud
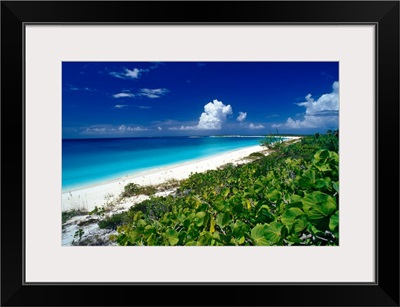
<point x="252" y="126"/>
<point x="320" y="113"/>
<point x="242" y="116"/>
<point x="213" y="118"/>
<point x="214" y="115"/>
<point x="120" y="106"/>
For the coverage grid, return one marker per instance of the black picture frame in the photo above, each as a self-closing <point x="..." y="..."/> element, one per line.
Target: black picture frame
<point x="383" y="14"/>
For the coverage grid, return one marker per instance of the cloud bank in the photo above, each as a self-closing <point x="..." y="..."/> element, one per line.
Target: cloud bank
<point x="111" y="130"/>
<point x="320" y="113"/>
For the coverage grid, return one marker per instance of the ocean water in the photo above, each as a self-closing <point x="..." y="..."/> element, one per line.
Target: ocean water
<point x="88" y="161"/>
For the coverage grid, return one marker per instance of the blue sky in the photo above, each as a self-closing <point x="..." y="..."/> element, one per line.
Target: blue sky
<point x="134" y="99"/>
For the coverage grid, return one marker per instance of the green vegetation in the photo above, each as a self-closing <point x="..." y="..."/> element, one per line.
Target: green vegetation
<point x="112" y="222"/>
<point x="66" y="215"/>
<point x="78" y="234"/>
<point x="272" y="141"/>
<point x="255" y="155"/>
<point x="167" y="185"/>
<point x="133" y="189"/>
<point x="289" y="197"/>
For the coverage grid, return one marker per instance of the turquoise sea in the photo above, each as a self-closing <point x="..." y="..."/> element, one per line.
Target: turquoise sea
<point x="89" y="161"/>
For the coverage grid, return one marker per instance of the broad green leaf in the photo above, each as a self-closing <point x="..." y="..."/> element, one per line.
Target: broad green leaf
<point x="172" y="236"/>
<point x="323" y="183"/>
<point x="321" y="155"/>
<point x="141" y="222"/>
<point x="324" y="168"/>
<point x="295" y="198"/>
<point x="273" y="232"/>
<point x="284" y="233"/>
<point x="264" y="214"/>
<point x="295" y="201"/>
<point x="289" y="217"/>
<point x="336" y="186"/>
<point x="334" y="156"/>
<point x="152" y="239"/>
<point x="295" y="205"/>
<point x="320" y="202"/>
<point x="260" y="184"/>
<point x="305" y="182"/>
<point x="223" y="219"/>
<point x="320" y="216"/>
<point x="149" y="229"/>
<point x="258" y="235"/>
<point x="199" y="218"/>
<point x="318" y="212"/>
<point x="300" y="224"/>
<point x="226" y="239"/>
<point x="204" y="239"/>
<point x="191" y="243"/>
<point x="187" y="222"/>
<point x="202" y="207"/>
<point x="274" y="195"/>
<point x="215" y="235"/>
<point x="134" y="235"/>
<point x="334" y="221"/>
<point x="249" y="192"/>
<point x="225" y="192"/>
<point x="239" y="229"/>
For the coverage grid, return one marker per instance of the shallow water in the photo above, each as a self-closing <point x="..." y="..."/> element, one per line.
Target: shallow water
<point x="88" y="161"/>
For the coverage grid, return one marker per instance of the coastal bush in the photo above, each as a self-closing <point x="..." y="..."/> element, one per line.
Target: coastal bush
<point x="272" y="141"/>
<point x="167" y="185"/>
<point x="100" y="211"/>
<point x="256" y="155"/>
<point x="290" y="197"/>
<point x="132" y="189"/>
<point x="67" y="215"/>
<point x="112" y="222"/>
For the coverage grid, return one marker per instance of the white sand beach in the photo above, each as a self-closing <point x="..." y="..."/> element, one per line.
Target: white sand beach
<point x="87" y="198"/>
<point x="96" y="195"/>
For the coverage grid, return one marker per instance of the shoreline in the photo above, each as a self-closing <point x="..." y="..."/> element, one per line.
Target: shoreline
<point x="157" y="169"/>
<point x="97" y="194"/>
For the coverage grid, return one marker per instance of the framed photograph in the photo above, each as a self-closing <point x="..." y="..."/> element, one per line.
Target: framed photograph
<point x="151" y="156"/>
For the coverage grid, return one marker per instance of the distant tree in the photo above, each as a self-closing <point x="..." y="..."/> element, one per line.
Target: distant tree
<point x="336" y="133"/>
